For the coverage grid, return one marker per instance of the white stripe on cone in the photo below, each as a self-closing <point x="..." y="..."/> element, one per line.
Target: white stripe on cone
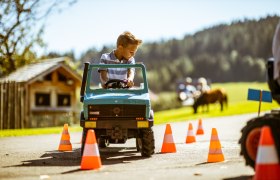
<point x="168" y="138"/>
<point x="267" y="155"/>
<point x="215" y="151"/>
<point x="214" y="138"/>
<point x="190" y="133"/>
<point x="91" y="150"/>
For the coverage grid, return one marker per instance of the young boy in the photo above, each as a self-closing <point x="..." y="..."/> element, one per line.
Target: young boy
<point x="127" y="45"/>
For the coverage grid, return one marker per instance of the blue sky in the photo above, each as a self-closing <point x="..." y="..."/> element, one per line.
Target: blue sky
<point x="95" y="23"/>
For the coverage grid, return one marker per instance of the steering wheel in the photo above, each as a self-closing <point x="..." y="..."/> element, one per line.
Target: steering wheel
<point x="116" y="84"/>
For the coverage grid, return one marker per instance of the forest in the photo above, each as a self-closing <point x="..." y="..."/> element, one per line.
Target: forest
<point x="235" y="52"/>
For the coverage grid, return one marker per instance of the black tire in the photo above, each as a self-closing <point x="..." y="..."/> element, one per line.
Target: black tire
<point x="103" y="142"/>
<point x="147" y="146"/>
<point x="84" y="136"/>
<point x="151" y="115"/>
<point x="82" y="117"/>
<point x="84" y="133"/>
<point x="251" y="134"/>
<point x="138" y="144"/>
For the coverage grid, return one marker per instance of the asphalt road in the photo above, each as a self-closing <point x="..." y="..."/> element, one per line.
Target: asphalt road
<point x="36" y="157"/>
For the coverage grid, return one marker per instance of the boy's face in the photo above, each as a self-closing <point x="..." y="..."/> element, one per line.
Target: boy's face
<point x="129" y="51"/>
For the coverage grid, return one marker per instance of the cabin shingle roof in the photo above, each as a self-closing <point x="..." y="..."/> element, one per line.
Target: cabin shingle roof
<point x="31" y="71"/>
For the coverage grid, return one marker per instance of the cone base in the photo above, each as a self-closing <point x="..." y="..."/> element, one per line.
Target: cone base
<point x="168" y="148"/>
<point x="90" y="162"/>
<point x="215" y="158"/>
<point x="264" y="171"/>
<point x="190" y="139"/>
<point x="199" y="132"/>
<point x="65" y="148"/>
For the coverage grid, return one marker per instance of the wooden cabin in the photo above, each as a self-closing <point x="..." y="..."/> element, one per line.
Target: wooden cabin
<point x="40" y="95"/>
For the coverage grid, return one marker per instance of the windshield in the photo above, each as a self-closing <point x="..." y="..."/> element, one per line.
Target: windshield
<point x="118" y="79"/>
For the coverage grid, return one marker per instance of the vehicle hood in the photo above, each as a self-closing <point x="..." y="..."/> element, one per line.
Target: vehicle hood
<point x="117" y="98"/>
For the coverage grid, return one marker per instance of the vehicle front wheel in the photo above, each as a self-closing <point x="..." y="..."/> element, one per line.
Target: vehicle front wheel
<point x="84" y="136"/>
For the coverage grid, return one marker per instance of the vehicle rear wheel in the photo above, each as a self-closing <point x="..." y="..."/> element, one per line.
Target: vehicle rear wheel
<point x="147" y="144"/>
<point x="138" y="144"/>
<point x="103" y="142"/>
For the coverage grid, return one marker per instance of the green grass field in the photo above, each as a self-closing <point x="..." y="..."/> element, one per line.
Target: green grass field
<point x="37" y="131"/>
<point x="238" y="104"/>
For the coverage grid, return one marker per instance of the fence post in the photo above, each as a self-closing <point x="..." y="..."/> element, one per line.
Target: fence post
<point x="22" y="109"/>
<point x="1" y="105"/>
<point x="6" y="99"/>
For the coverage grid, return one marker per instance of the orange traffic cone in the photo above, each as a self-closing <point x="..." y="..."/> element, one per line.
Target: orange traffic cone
<point x="199" y="130"/>
<point x="65" y="144"/>
<point x="91" y="157"/>
<point x="267" y="163"/>
<point x="168" y="145"/>
<point x="190" y="136"/>
<point x="215" y="152"/>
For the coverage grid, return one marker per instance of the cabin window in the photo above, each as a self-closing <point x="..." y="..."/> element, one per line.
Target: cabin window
<point x="63" y="100"/>
<point x="42" y="99"/>
<point x="61" y="77"/>
<point x="48" y="77"/>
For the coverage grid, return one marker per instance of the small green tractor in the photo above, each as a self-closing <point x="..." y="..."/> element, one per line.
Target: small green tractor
<point x="118" y="112"/>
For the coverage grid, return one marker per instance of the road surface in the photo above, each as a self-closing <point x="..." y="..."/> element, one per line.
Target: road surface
<point x="36" y="157"/>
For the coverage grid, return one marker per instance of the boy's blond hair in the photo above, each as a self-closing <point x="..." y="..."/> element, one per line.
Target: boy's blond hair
<point x="127" y="38"/>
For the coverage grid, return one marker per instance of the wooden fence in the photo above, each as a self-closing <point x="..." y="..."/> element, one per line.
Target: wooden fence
<point x="12" y="105"/>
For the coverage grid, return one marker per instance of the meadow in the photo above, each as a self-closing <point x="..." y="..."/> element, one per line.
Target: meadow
<point x="237" y="104"/>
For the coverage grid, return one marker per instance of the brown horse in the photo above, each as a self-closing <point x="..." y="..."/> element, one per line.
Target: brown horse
<point x="211" y="96"/>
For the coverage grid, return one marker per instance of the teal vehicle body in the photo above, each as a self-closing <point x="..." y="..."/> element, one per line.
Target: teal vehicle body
<point x="117" y="114"/>
<point x="117" y="98"/>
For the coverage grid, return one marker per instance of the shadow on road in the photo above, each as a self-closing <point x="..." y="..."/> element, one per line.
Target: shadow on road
<point x="116" y="155"/>
<point x="203" y="163"/>
<point x="55" y="158"/>
<point x="240" y="178"/>
<point x="109" y="156"/>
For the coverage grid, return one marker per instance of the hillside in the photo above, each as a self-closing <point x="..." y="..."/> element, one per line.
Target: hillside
<point x="223" y="53"/>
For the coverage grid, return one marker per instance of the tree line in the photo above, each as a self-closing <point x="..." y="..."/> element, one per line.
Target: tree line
<point x="223" y="53"/>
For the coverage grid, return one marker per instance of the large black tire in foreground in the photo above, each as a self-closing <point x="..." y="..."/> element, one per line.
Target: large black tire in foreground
<point x="145" y="143"/>
<point x="251" y="134"/>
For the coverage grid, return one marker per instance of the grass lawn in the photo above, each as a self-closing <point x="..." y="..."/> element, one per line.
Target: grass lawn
<point x="238" y="104"/>
<point x="37" y="131"/>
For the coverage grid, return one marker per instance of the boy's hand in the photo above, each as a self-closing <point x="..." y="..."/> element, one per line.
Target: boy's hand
<point x="130" y="82"/>
<point x="103" y="86"/>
